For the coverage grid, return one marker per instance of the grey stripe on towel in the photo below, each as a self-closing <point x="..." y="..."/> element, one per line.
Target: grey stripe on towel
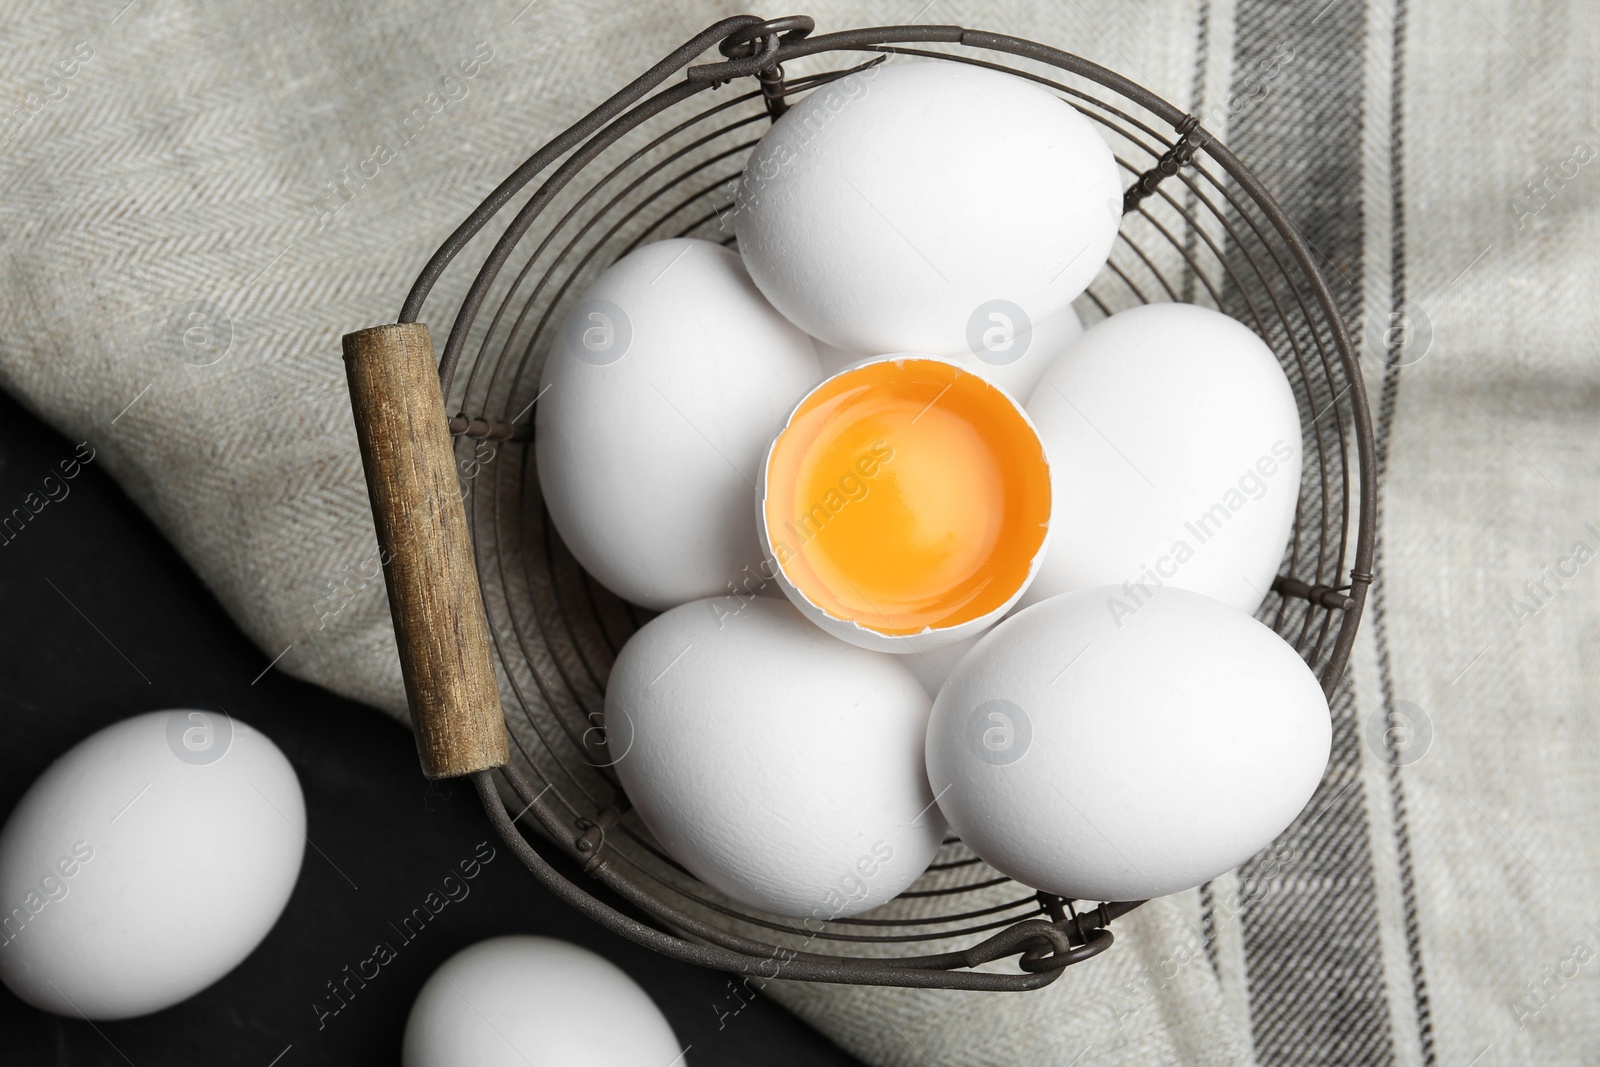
<point x="1311" y="937"/>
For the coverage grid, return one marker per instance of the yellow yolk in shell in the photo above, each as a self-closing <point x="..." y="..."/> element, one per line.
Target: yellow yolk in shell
<point x="907" y="494"/>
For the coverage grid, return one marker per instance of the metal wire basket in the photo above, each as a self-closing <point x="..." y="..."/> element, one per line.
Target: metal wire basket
<point x="659" y="159"/>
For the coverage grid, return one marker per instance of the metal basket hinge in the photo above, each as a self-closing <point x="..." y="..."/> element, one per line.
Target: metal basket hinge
<point x="592" y="837"/>
<point x="1064" y="913"/>
<point x="479" y="429"/>
<point x="1321" y="595"/>
<point x="1190" y="140"/>
<point x="753" y="49"/>
<point x="773" y="91"/>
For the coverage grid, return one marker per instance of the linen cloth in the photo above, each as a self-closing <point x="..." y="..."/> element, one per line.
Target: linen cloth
<point x="184" y="247"/>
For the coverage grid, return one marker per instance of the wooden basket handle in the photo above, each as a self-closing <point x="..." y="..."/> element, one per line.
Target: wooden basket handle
<point x="438" y="614"/>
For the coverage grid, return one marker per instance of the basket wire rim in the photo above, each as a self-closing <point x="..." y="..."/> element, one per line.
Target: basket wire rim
<point x="605" y="126"/>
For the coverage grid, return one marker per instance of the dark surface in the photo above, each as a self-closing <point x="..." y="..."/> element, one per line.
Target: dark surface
<point x="103" y="620"/>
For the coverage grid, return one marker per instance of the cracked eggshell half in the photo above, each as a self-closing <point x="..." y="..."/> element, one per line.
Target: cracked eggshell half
<point x="905" y="505"/>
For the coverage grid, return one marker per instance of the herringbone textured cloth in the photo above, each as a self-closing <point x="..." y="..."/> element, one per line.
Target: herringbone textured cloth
<point x="196" y="201"/>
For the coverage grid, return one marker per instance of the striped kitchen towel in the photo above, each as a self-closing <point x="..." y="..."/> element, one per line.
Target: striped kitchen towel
<point x="196" y="201"/>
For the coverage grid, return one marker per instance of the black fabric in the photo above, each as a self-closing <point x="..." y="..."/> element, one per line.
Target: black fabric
<point x="103" y="620"/>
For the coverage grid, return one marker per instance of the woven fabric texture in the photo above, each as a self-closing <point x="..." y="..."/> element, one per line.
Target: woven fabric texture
<point x="197" y="200"/>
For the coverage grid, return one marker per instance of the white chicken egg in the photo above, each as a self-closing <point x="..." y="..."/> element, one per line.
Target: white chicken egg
<point x="519" y="1000"/>
<point x="901" y="208"/>
<point x="1012" y="354"/>
<point x="1174" y="445"/>
<point x="779" y="765"/>
<point x="146" y="862"/>
<point x="1102" y="756"/>
<point x="657" y="402"/>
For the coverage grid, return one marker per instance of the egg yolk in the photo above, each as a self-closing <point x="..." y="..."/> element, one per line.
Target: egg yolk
<point x="907" y="494"/>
